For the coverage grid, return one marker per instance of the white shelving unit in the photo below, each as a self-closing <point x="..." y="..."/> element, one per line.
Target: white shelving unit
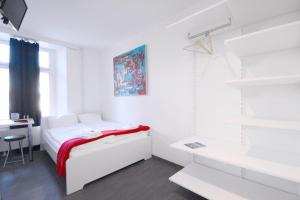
<point x="278" y="80"/>
<point x="266" y="123"/>
<point x="236" y="155"/>
<point x="272" y="39"/>
<point x="215" y="185"/>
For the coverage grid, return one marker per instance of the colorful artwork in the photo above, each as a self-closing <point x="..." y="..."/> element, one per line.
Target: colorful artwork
<point x="130" y="73"/>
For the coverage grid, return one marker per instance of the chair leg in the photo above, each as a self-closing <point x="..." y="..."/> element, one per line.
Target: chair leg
<point x="11" y="153"/>
<point x="21" y="148"/>
<point x="7" y="155"/>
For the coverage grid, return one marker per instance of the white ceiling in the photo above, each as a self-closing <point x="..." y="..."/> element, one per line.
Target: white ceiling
<point x="99" y="23"/>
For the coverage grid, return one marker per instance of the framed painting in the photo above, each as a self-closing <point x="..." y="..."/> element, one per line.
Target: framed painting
<point x="130" y="73"/>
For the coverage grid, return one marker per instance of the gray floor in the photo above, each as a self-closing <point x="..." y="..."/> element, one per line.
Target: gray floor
<point x="145" y="180"/>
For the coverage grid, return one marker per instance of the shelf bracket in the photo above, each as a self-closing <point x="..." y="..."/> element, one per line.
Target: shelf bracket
<point x="243" y="113"/>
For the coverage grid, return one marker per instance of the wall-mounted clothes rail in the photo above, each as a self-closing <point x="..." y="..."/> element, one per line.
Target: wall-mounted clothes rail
<point x="207" y="32"/>
<point x="203" y="44"/>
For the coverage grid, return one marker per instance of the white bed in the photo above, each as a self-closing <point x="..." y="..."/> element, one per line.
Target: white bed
<point x="96" y="159"/>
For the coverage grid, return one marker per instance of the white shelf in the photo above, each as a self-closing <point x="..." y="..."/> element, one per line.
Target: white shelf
<point x="236" y="155"/>
<point x="278" y="80"/>
<point x="215" y="185"/>
<point x="272" y="39"/>
<point x="217" y="13"/>
<point x="265" y="123"/>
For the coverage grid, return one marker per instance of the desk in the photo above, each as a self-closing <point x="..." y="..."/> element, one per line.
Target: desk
<point x="9" y="123"/>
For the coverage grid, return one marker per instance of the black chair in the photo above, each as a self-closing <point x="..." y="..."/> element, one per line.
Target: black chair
<point x="10" y="139"/>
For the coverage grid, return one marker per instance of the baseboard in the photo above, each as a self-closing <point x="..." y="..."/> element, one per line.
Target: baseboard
<point x="167" y="161"/>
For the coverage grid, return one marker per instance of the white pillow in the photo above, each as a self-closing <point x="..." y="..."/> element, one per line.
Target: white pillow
<point x="62" y="121"/>
<point x="90" y="118"/>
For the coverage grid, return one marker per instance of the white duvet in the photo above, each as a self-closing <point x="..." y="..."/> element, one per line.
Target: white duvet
<point x="60" y="135"/>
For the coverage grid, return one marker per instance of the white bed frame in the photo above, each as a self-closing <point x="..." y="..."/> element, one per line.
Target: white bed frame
<point x="98" y="163"/>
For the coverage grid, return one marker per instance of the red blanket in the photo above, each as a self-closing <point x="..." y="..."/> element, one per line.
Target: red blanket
<point x="66" y="147"/>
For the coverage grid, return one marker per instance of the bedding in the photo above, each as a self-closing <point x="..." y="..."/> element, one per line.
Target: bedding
<point x="60" y="135"/>
<point x="90" y="118"/>
<point x="106" y="125"/>
<point x="62" y="121"/>
<point x="67" y="146"/>
<point x="55" y="137"/>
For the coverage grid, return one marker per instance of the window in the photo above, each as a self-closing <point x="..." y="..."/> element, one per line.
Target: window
<point x="4" y="55"/>
<point x="4" y="80"/>
<point x="4" y="88"/>
<point x="45" y="75"/>
<point x="44" y="57"/>
<point x="45" y="79"/>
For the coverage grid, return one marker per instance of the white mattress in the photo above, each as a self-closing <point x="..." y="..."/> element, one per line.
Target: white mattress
<point x="56" y="137"/>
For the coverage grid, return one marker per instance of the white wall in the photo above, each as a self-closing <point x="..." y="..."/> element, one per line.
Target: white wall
<point x="74" y="80"/>
<point x="91" y="74"/>
<point x="68" y="81"/>
<point x="60" y="104"/>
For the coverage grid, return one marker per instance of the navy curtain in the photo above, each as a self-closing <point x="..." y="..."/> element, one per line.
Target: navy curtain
<point x="24" y="73"/>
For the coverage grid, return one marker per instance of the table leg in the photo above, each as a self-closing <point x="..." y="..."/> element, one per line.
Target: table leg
<point x="29" y="136"/>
